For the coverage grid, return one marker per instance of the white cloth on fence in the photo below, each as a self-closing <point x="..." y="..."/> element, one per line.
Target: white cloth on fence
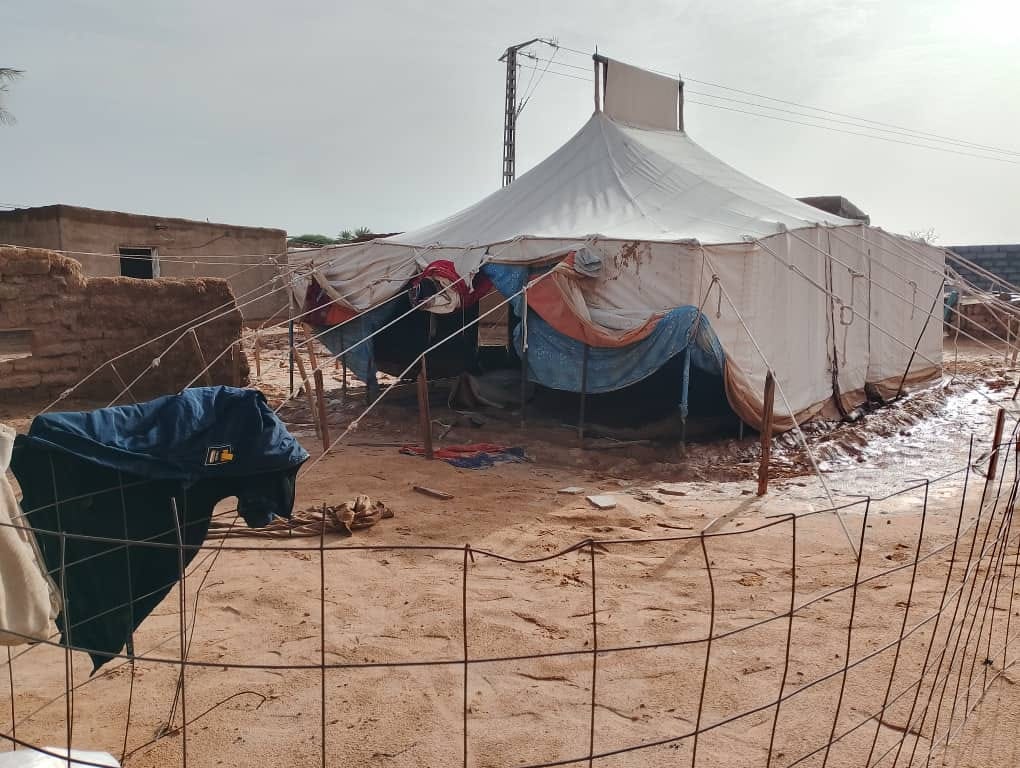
<point x="35" y="758"/>
<point x="28" y="600"/>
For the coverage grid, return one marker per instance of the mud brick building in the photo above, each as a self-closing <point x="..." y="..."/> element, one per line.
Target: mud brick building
<point x="112" y="244"/>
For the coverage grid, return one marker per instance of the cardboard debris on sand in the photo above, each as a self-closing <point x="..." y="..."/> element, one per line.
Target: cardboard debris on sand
<point x="343" y="519"/>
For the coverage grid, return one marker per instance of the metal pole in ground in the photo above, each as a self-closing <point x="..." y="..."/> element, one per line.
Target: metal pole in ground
<point x="584" y="393"/>
<point x="524" y="353"/>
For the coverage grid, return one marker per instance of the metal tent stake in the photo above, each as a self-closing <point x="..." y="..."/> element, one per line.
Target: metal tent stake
<point x="584" y="393"/>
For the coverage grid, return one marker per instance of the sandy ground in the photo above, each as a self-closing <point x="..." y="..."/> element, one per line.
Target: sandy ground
<point x="261" y="606"/>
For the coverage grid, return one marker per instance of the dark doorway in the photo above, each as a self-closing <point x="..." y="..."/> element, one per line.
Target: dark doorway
<point x="137" y="262"/>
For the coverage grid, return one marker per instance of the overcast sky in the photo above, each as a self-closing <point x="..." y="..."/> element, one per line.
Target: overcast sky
<point x="318" y="115"/>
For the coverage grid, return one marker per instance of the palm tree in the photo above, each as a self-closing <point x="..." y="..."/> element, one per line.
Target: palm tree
<point x="6" y="76"/>
<point x="347" y="235"/>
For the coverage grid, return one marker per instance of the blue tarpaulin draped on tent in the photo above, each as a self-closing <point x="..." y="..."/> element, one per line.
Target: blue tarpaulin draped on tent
<point x="555" y="360"/>
<point x="360" y="359"/>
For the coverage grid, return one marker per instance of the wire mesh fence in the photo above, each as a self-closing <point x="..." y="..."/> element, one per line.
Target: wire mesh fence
<point x="756" y="643"/>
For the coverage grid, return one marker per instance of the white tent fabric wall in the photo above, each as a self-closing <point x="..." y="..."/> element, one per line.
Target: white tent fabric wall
<point x="816" y="291"/>
<point x="920" y="269"/>
<point x="849" y="330"/>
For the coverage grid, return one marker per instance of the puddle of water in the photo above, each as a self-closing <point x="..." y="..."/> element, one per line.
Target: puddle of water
<point x="925" y="436"/>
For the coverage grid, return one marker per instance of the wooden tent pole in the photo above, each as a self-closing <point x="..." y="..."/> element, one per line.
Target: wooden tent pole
<point x="320" y="399"/>
<point x="993" y="461"/>
<point x="290" y="338"/>
<point x="342" y="364"/>
<point x="766" y="434"/>
<point x="312" y="408"/>
<point x="308" y="343"/>
<point x="425" y="411"/>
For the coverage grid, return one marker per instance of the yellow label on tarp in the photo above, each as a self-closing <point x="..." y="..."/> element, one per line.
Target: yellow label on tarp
<point x="219" y="454"/>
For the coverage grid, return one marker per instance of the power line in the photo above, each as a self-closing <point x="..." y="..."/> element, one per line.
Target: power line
<point x="814" y="117"/>
<point x="919" y="133"/>
<point x="862" y="119"/>
<point x="816" y="125"/>
<point x="853" y="133"/>
<point x="529" y="94"/>
<point x="895" y="131"/>
<point x="565" y="74"/>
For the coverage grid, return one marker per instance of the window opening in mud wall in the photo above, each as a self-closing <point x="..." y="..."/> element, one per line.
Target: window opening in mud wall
<point x="139" y="262"/>
<point x="15" y="345"/>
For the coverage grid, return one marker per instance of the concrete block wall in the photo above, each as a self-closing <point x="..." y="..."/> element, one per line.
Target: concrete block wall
<point x="76" y="325"/>
<point x="1001" y="260"/>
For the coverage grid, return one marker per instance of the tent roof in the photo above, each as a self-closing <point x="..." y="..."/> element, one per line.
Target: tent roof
<point x="621" y="182"/>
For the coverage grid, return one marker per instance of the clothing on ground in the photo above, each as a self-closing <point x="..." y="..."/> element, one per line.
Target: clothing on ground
<point x="474" y="456"/>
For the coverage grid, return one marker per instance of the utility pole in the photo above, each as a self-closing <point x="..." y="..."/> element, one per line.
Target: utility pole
<point x="510" y="117"/>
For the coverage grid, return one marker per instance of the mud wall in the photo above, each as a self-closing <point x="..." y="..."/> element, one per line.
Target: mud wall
<point x="57" y="326"/>
<point x="181" y="247"/>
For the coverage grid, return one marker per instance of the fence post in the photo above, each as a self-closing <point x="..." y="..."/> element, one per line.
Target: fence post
<point x="766" y="434"/>
<point x="993" y="461"/>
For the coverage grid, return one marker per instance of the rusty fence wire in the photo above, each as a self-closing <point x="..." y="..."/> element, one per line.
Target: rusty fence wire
<point x="855" y="677"/>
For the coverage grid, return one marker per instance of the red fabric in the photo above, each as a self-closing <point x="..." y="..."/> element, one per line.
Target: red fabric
<point x="444" y="268"/>
<point x="322" y="309"/>
<point x="456" y="451"/>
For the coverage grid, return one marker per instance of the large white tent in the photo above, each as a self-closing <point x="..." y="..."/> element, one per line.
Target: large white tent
<point x="830" y="305"/>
